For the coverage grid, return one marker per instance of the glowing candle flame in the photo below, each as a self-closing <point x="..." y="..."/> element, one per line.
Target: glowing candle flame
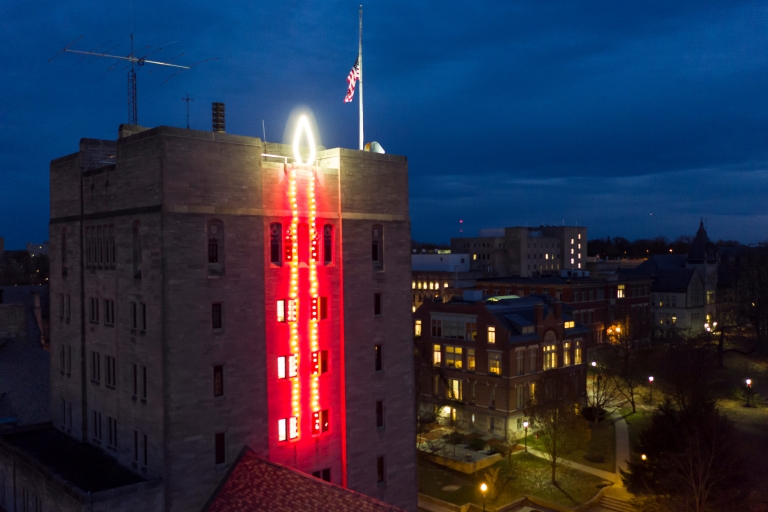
<point x="303" y="126"/>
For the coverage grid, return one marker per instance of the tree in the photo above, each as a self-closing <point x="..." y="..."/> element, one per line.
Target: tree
<point x="687" y="374"/>
<point x="623" y="357"/>
<point x="752" y="292"/>
<point x="555" y="415"/>
<point x="601" y="391"/>
<point x="693" y="461"/>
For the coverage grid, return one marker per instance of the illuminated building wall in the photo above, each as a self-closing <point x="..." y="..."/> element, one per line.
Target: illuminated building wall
<point x="213" y="245"/>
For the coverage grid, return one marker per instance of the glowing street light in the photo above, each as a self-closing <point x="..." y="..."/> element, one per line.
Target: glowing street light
<point x="643" y="457"/>
<point x="748" y="390"/>
<point x="483" y="489"/>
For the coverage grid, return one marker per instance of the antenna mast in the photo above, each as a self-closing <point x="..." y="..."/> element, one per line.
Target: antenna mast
<point x="133" y="117"/>
<point x="187" y="99"/>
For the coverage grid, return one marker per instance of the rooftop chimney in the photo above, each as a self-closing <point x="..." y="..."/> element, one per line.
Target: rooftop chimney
<point x="218" y="117"/>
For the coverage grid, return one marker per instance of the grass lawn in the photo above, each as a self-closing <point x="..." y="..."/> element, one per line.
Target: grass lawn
<point x="602" y="443"/>
<point x="636" y="422"/>
<point x="529" y="475"/>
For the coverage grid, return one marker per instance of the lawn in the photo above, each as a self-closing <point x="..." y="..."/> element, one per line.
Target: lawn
<point x="602" y="443"/>
<point x="529" y="476"/>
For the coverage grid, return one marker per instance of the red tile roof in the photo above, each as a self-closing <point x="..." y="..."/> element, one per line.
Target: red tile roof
<point x="255" y="483"/>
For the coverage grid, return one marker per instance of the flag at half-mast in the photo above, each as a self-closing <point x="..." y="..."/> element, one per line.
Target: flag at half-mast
<point x="352" y="80"/>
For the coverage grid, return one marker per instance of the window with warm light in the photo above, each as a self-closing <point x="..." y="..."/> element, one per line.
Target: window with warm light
<point x="566" y="353"/>
<point x="413" y="285"/>
<point x="577" y="352"/>
<point x="569" y="324"/>
<point x="454" y="390"/>
<point x="287" y="428"/>
<point x="417" y="328"/>
<point x="281" y="310"/>
<point x="491" y="334"/>
<point x="286" y="367"/>
<point x="550" y="357"/>
<point x="320" y="422"/>
<point x="445" y="285"/>
<point x="620" y="291"/>
<point x="471" y="359"/>
<point x="494" y="362"/>
<point x="436" y="355"/>
<point x="454" y="357"/>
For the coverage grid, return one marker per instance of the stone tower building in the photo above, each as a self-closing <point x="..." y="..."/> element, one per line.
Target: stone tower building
<point x="214" y="295"/>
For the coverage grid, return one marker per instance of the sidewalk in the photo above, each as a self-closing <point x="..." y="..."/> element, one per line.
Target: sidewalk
<point x="611" y="477"/>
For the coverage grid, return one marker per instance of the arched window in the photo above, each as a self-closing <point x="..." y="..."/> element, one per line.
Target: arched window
<point x="215" y="235"/>
<point x="276" y="243"/>
<point x="137" y="249"/>
<point x="328" y="244"/>
<point x="377" y="246"/>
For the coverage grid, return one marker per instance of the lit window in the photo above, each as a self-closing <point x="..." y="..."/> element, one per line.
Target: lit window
<point x="287" y="428"/>
<point x="579" y="246"/>
<point x="286" y="366"/>
<point x="674" y="319"/>
<point x="417" y="328"/>
<point x="454" y="357"/>
<point x="471" y="359"/>
<point x="319" y="362"/>
<point x="571" y="261"/>
<point x="620" y="292"/>
<point x="579" y="236"/>
<point x="569" y="324"/>
<point x="494" y="363"/>
<point x="577" y="353"/>
<point x="571" y="241"/>
<point x="291" y="310"/>
<point x="320" y="422"/>
<point x="474" y="256"/>
<point x="453" y="391"/>
<point x="550" y="357"/>
<point x="445" y="285"/>
<point x="571" y="250"/>
<point x="566" y="353"/>
<point x="436" y="355"/>
<point x="413" y="284"/>
<point x="281" y="311"/>
<point x="491" y="334"/>
<point x="579" y="265"/>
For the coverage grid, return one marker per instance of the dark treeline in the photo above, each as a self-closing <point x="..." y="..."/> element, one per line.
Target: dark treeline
<point x="618" y="247"/>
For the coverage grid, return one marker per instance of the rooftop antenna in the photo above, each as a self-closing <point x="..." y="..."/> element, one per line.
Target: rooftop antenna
<point x="187" y="99"/>
<point x="134" y="60"/>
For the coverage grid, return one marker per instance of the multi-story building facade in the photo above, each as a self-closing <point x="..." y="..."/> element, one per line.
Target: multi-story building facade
<point x="524" y="251"/>
<point x="440" y="276"/>
<point x="598" y="303"/>
<point x="216" y="297"/>
<point x="683" y="293"/>
<point x="480" y="360"/>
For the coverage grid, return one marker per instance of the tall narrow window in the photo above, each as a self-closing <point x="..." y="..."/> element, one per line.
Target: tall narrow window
<point x="218" y="380"/>
<point x="378" y="355"/>
<point x="88" y="249"/>
<point x="97" y="426"/>
<point x="328" y="244"/>
<point x="112" y="255"/>
<point x="111" y="432"/>
<point x="323" y="308"/>
<point x="143" y="316"/>
<point x="63" y="251"/>
<point x="99" y="246"/>
<point x="377" y="246"/>
<point x="221" y="451"/>
<point x="379" y="413"/>
<point x="566" y="353"/>
<point x="95" y="367"/>
<point x="377" y="304"/>
<point x="494" y="363"/>
<point x="417" y="328"/>
<point x="136" y="446"/>
<point x="146" y="450"/>
<point x="471" y="359"/>
<point x="380" y="470"/>
<point x="577" y="352"/>
<point x="215" y="248"/>
<point x="217" y="321"/>
<point x="436" y="355"/>
<point x="276" y="243"/>
<point x="135" y="380"/>
<point x="137" y="250"/>
<point x="491" y="334"/>
<point x="144" y="383"/>
<point x="134" y="316"/>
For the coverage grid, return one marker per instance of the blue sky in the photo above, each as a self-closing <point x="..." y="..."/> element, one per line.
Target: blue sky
<point x="632" y="118"/>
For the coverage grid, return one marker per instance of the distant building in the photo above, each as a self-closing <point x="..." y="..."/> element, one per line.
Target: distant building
<point x="38" y="249"/>
<point x="440" y="277"/>
<point x="598" y="303"/>
<point x="480" y="359"/>
<point x="210" y="295"/>
<point x="524" y="251"/>
<point x="683" y="293"/>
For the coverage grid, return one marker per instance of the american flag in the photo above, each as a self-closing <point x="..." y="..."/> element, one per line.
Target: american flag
<point x="352" y="80"/>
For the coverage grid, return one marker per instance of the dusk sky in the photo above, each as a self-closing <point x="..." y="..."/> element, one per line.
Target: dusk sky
<point x="634" y="119"/>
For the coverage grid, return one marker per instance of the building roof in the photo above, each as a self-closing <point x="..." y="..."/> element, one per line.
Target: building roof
<point x="701" y="248"/>
<point x="65" y="459"/>
<point x="254" y="483"/>
<point x="558" y="280"/>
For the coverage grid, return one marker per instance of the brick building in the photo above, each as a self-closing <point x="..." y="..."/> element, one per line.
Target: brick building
<point x="480" y="359"/>
<point x="214" y="297"/>
<point x="597" y="302"/>
<point x="526" y="252"/>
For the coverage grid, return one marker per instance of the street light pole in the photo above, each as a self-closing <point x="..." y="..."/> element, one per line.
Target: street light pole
<point x="749" y="390"/>
<point x="483" y="488"/>
<point x="650" y="383"/>
<point x="525" y="424"/>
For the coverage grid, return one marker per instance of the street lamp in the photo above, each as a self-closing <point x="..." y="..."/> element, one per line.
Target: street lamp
<point x="525" y="425"/>
<point x="650" y="383"/>
<point x="749" y="390"/>
<point x="643" y="456"/>
<point x="483" y="488"/>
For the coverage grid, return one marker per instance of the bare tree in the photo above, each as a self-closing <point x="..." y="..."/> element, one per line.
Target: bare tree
<point x="623" y="362"/>
<point x="601" y="391"/>
<point x="554" y="412"/>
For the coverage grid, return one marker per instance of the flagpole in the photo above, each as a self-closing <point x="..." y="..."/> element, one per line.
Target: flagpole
<point x="360" y="58"/>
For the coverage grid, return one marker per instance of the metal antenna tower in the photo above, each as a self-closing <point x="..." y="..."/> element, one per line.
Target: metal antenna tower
<point x="187" y="99"/>
<point x="133" y="117"/>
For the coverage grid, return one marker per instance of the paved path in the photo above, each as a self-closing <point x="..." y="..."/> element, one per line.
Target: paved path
<point x="612" y="477"/>
<point x="622" y="444"/>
